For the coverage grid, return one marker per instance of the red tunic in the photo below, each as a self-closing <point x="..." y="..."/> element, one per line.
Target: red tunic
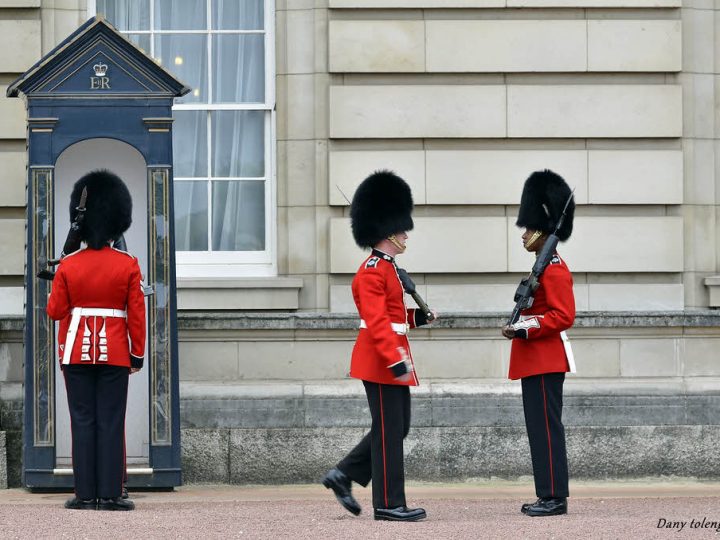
<point x="552" y="312"/>
<point x="380" y="301"/>
<point x="103" y="278"/>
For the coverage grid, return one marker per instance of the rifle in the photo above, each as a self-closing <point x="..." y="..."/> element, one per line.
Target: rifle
<point x="409" y="286"/>
<point x="72" y="242"/>
<point x="524" y="295"/>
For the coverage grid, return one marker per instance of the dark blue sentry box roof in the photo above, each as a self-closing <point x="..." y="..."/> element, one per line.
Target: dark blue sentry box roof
<point x="96" y="61"/>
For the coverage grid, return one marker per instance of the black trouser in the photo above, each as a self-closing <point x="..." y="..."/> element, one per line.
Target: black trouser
<point x="542" y="403"/>
<point x="379" y="455"/>
<point x="97" y="398"/>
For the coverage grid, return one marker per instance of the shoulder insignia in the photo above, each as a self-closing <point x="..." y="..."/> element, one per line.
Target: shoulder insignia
<point x="555" y="260"/>
<point x="372" y="262"/>
<point x="124" y="252"/>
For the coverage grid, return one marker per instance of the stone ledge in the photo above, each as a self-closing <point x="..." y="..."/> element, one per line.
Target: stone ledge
<point x="349" y="321"/>
<point x="702" y="318"/>
<point x="480" y="403"/>
<point x="280" y="456"/>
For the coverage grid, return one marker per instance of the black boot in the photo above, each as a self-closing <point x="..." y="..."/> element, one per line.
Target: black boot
<point x="116" y="503"/>
<point x="524" y="507"/>
<point x="401" y="513"/>
<point x="81" y="504"/>
<point x="125" y="493"/>
<point x="548" y="506"/>
<point x="341" y="485"/>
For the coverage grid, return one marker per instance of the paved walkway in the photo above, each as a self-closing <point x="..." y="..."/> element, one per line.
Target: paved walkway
<point x="456" y="511"/>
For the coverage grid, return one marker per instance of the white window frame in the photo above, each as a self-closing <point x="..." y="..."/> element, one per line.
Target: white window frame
<point x="208" y="264"/>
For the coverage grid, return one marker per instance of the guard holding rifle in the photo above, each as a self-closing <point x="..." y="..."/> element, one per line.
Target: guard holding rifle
<point x="381" y="216"/>
<point x="98" y="299"/>
<point x="541" y="354"/>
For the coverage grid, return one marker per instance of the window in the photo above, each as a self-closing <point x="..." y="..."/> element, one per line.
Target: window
<point x="223" y="134"/>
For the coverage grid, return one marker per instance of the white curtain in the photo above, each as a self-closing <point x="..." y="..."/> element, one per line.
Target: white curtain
<point x="239" y="206"/>
<point x="126" y="14"/>
<point x="181" y="15"/>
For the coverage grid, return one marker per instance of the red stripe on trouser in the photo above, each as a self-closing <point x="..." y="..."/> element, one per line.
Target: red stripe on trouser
<point x="547" y="428"/>
<point x="382" y="427"/>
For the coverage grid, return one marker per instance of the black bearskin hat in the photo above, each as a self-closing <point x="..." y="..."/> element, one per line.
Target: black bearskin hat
<point x="108" y="208"/>
<point x="543" y="199"/>
<point x="382" y="206"/>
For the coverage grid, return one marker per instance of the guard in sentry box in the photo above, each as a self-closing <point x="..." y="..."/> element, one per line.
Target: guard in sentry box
<point x="98" y="299"/>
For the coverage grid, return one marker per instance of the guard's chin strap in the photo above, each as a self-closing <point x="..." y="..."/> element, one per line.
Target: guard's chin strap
<point x="534" y="238"/>
<point x="395" y="242"/>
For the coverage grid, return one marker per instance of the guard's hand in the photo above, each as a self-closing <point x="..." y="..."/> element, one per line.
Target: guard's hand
<point x="134" y="370"/>
<point x="508" y="332"/>
<point x="435" y="316"/>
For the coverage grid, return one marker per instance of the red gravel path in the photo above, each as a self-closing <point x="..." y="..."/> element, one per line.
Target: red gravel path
<point x="309" y="512"/>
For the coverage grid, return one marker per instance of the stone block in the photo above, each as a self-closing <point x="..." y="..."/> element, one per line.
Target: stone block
<point x="294" y="360"/>
<point x="12" y="300"/>
<point x="251" y="412"/>
<point x="594" y="3"/>
<point x="396" y="46"/>
<point x="471" y="297"/>
<point x="649" y="45"/>
<point x="700" y="238"/>
<point x="489" y="234"/>
<point x="698" y="35"/>
<point x="502" y="46"/>
<point x="594" y="111"/>
<point x="21" y="4"/>
<point x="594" y="237"/>
<point x="388" y="4"/>
<point x="498" y="176"/>
<point x="349" y="168"/>
<point x="300" y="107"/>
<point x="208" y="360"/>
<point x="649" y="358"/>
<point x="636" y="297"/>
<point x="596" y="357"/>
<point x="458" y="359"/>
<point x="12" y="111"/>
<point x="700" y="171"/>
<point x="412" y="111"/>
<point x="242" y="293"/>
<point x="301" y="240"/>
<point x="635" y="176"/>
<point x="22" y="37"/>
<point x="269" y="456"/>
<point x="13" y="178"/>
<point x="641" y="451"/>
<point x="301" y="177"/>
<point x="12" y="246"/>
<point x="57" y="24"/>
<point x="700" y="357"/>
<point x="699" y="99"/>
<point x="632" y="410"/>
<point x="300" y="41"/>
<point x="206" y="456"/>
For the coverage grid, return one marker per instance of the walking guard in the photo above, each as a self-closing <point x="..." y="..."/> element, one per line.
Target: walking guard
<point x="97" y="298"/>
<point x="380" y="213"/>
<point x="540" y="352"/>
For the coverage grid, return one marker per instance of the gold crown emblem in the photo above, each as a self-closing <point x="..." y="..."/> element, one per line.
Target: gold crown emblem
<point x="100" y="69"/>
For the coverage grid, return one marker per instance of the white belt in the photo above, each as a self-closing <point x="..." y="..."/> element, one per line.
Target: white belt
<point x="397" y="327"/>
<point x="75" y="323"/>
<point x="568" y="351"/>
